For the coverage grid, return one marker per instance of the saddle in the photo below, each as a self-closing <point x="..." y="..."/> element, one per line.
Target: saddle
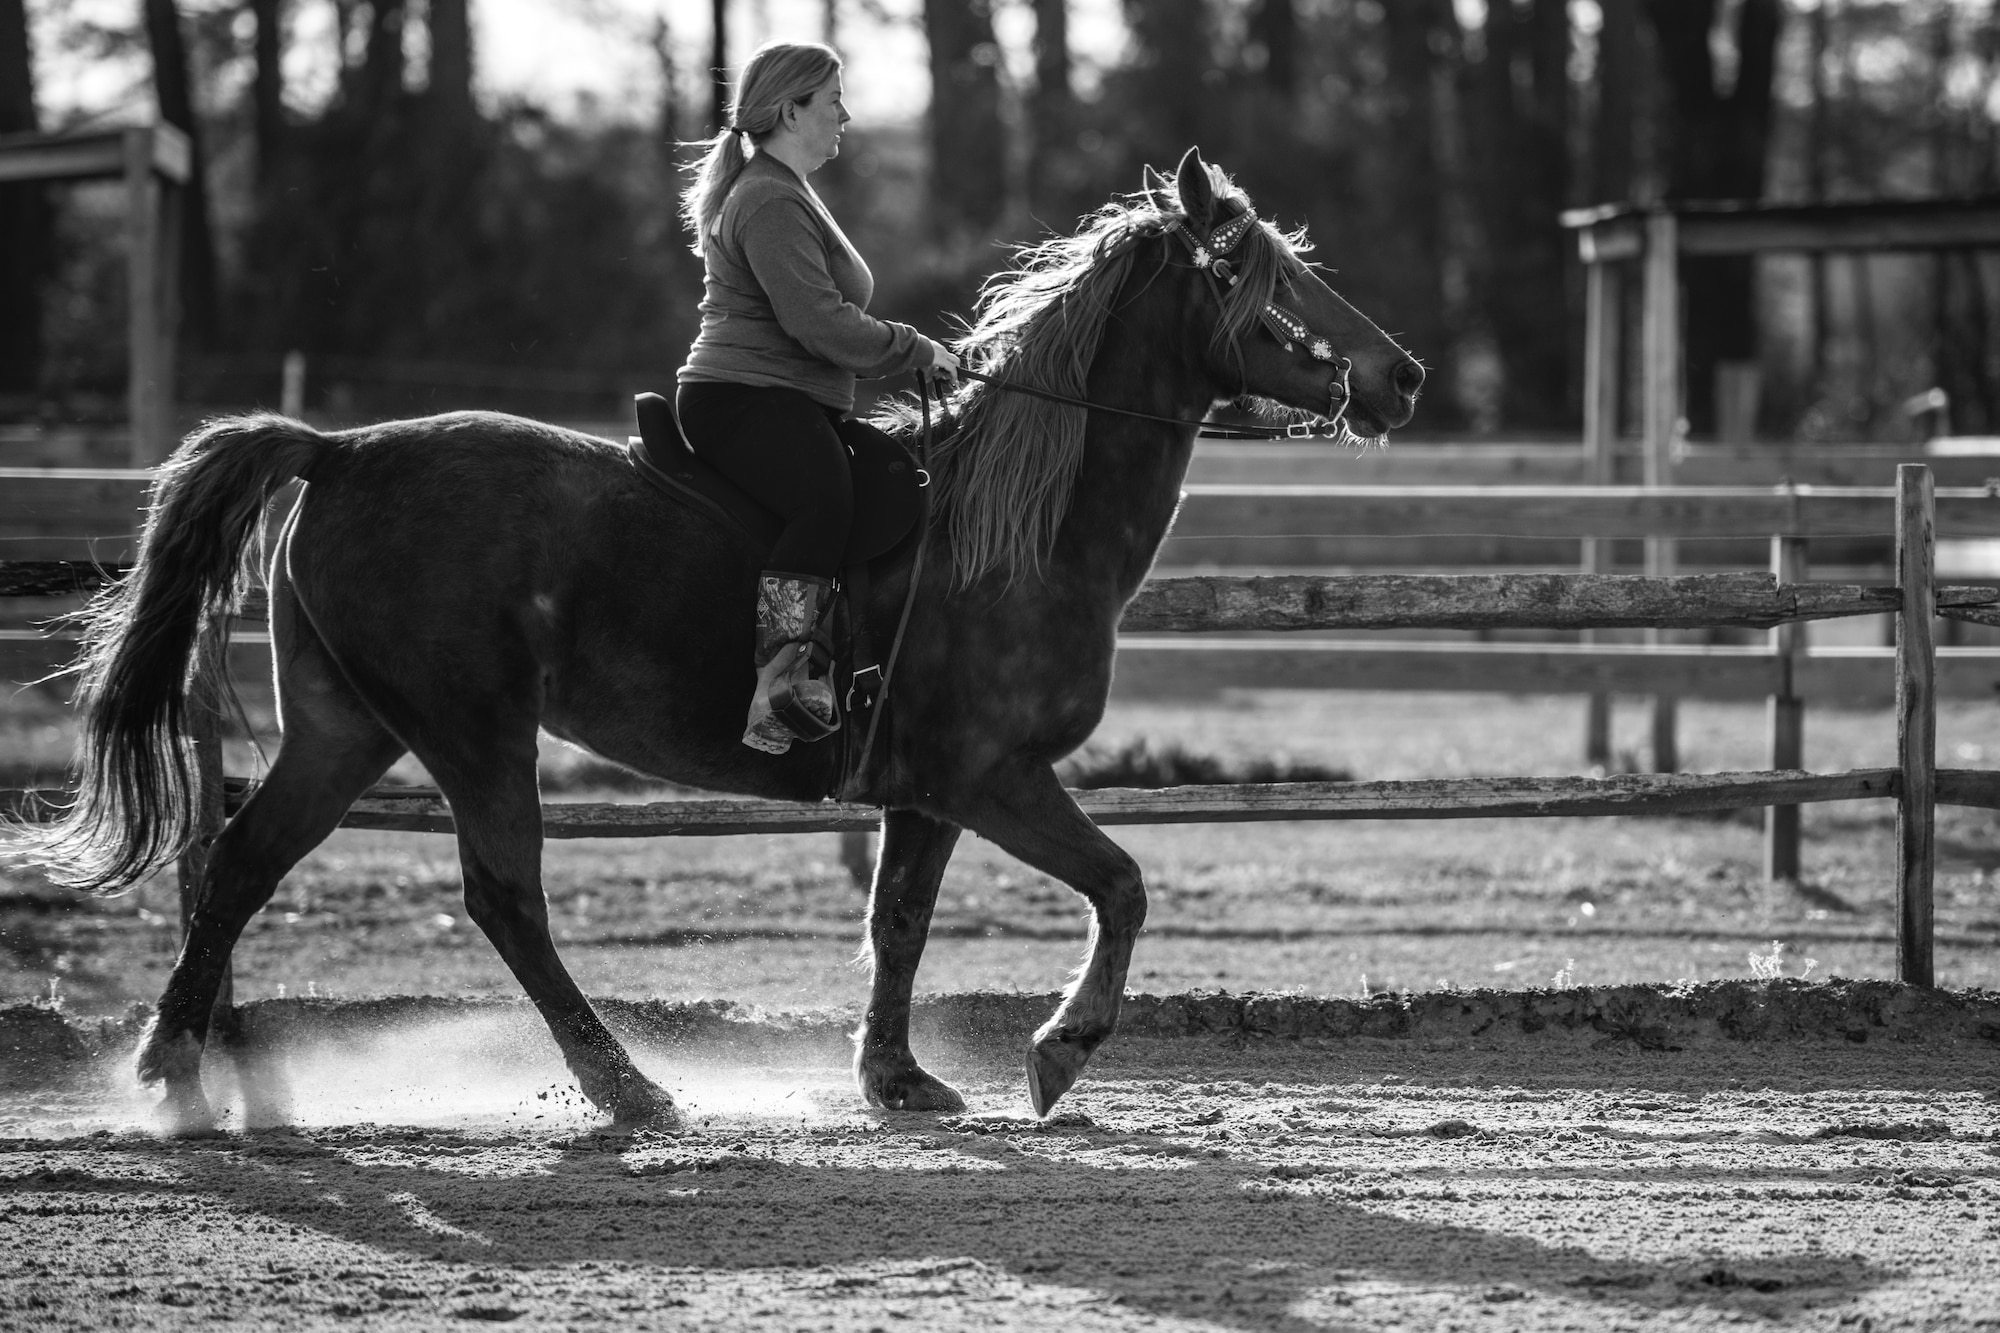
<point x="887" y="504"/>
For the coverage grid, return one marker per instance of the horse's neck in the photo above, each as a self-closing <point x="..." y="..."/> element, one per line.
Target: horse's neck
<point x="1129" y="484"/>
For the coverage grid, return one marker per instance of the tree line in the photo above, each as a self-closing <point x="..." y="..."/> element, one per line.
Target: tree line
<point x="1429" y="147"/>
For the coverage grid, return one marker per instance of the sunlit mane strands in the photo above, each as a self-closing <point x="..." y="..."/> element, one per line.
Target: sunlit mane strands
<point x="1004" y="477"/>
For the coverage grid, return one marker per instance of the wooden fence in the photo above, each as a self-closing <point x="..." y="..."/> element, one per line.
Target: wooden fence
<point x="1913" y="512"/>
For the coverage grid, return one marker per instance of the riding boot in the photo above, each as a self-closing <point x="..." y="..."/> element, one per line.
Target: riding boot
<point x="789" y="703"/>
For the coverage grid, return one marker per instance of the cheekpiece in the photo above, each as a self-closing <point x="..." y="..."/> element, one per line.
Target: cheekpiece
<point x="1294" y="327"/>
<point x="1291" y="330"/>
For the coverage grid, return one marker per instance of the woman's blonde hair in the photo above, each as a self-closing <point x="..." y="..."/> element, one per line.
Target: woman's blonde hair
<point x="776" y="73"/>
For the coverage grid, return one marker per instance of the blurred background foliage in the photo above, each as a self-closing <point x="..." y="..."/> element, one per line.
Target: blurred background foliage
<point x="429" y="249"/>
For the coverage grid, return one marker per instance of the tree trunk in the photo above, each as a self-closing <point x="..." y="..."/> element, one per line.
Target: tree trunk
<point x="1959" y="315"/>
<point x="382" y="74"/>
<point x="968" y="146"/>
<point x="267" y="91"/>
<point x="1522" y="141"/>
<point x="24" y="218"/>
<point x="1418" y="187"/>
<point x="1175" y="75"/>
<point x="1716" y="145"/>
<point x="1820" y="294"/>
<point x="1057" y="177"/>
<point x="718" y="65"/>
<point x="199" y="317"/>
<point x="1617" y="66"/>
<point x="451" y="62"/>
<point x="1274" y="25"/>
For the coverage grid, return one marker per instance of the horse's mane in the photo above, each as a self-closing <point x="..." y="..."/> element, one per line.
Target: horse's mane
<point x="1001" y="480"/>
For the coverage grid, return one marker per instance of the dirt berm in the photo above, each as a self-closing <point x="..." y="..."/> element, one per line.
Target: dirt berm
<point x="37" y="1041"/>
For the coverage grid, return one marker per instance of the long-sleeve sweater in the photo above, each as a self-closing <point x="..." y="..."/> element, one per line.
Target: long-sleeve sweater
<point x="785" y="296"/>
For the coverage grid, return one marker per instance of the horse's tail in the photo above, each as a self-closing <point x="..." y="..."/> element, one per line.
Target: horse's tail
<point x="153" y="636"/>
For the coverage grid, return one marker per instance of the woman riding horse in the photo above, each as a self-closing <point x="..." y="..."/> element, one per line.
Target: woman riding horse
<point x="767" y="388"/>
<point x="455" y="586"/>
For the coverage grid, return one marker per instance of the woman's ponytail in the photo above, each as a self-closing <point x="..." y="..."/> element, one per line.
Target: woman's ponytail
<point x="713" y="175"/>
<point x="776" y="73"/>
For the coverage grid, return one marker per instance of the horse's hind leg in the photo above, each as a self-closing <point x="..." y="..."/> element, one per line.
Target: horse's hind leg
<point x="1029" y="815"/>
<point x="499" y="816"/>
<point x="333" y="750"/>
<point x="915" y="849"/>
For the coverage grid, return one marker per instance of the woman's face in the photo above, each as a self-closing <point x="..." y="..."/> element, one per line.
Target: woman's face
<point x="819" y="121"/>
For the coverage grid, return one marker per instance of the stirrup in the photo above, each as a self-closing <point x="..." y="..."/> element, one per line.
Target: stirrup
<point x="788" y="704"/>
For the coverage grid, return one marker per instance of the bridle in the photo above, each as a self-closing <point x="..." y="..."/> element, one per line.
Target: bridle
<point x="1210" y="258"/>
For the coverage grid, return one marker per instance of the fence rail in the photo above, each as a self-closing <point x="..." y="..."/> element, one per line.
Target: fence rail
<point x="95" y="513"/>
<point x="1156" y="659"/>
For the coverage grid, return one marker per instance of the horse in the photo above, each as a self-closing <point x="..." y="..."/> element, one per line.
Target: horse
<point x="446" y="586"/>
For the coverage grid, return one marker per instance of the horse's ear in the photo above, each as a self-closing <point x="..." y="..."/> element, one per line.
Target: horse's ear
<point x="1157" y="188"/>
<point x="1196" y="192"/>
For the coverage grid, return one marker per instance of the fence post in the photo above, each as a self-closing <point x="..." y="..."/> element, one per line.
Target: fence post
<point x="204" y="723"/>
<point x="1787" y="716"/>
<point x="1916" y="725"/>
<point x="1601" y="384"/>
<point x="1660" y="329"/>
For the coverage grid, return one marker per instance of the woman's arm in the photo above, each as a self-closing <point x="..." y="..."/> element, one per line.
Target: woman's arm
<point x="781" y="242"/>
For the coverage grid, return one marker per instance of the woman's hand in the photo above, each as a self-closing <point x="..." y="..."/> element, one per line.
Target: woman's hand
<point x="944" y="365"/>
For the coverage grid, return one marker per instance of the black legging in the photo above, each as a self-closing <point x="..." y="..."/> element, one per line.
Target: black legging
<point x="790" y="453"/>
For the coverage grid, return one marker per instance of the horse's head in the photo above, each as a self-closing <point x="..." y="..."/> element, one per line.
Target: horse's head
<point x="1280" y="332"/>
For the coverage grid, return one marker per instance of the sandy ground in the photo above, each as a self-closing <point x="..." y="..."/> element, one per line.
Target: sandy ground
<point x="1284" y="1164"/>
<point x="440" y="1170"/>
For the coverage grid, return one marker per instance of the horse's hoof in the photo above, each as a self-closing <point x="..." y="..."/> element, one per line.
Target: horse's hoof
<point x="184" y="1113"/>
<point x="644" y="1104"/>
<point x="907" y="1088"/>
<point x="172" y="1060"/>
<point x="1055" y="1062"/>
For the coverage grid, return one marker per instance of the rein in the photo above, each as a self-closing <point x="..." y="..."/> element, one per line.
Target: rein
<point x="1299" y="430"/>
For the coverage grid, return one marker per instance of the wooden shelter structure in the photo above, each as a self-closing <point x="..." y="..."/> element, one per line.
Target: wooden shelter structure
<point x="154" y="162"/>
<point x="1612" y="237"/>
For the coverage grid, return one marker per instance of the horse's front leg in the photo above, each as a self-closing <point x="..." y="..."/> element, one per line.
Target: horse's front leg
<point x="1027" y="813"/>
<point x="915" y="849"/>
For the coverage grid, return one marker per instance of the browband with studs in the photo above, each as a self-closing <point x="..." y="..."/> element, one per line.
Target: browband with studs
<point x="1285" y="326"/>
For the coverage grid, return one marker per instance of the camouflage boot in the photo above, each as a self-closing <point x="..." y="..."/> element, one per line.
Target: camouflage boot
<point x="789" y="703"/>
